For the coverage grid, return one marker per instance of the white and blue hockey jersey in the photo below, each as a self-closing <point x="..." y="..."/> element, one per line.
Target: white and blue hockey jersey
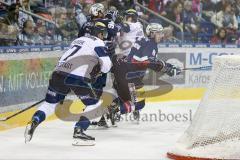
<point x="127" y="40"/>
<point x="84" y="54"/>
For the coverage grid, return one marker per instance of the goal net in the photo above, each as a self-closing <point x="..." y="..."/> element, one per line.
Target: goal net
<point x="215" y="130"/>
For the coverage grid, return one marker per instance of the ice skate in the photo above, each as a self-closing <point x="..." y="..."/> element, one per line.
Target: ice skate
<point x="136" y="116"/>
<point x="30" y="128"/>
<point x="81" y="139"/>
<point x="113" y="114"/>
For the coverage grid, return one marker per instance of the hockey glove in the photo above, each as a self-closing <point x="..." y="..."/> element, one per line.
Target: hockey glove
<point x="156" y="65"/>
<point x="171" y="70"/>
<point x="96" y="72"/>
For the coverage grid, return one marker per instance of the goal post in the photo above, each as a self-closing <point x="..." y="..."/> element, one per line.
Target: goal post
<point x="215" y="130"/>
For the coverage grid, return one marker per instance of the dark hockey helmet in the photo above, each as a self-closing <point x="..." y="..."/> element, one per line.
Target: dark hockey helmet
<point x="99" y="27"/>
<point x="131" y="13"/>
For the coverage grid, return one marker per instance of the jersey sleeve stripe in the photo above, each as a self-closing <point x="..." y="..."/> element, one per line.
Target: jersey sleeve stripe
<point x="100" y="51"/>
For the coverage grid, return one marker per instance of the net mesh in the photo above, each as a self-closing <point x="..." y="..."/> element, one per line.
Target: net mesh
<point x="215" y="129"/>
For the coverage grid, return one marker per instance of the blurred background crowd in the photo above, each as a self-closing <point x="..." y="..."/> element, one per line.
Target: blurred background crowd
<point x="54" y="22"/>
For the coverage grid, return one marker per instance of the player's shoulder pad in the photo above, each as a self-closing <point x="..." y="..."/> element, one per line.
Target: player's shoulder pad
<point x="99" y="42"/>
<point x="79" y="41"/>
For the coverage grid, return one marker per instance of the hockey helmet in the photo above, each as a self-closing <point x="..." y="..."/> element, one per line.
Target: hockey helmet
<point x="131" y="13"/>
<point x="99" y="27"/>
<point x="155" y="31"/>
<point x="154" y="27"/>
<point x="96" y="8"/>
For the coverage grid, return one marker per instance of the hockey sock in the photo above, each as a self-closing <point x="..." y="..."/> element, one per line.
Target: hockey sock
<point x="126" y="107"/>
<point x="39" y="116"/>
<point x="83" y="123"/>
<point x="140" y="105"/>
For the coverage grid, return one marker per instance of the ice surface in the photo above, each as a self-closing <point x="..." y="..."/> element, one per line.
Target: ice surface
<point x="148" y="140"/>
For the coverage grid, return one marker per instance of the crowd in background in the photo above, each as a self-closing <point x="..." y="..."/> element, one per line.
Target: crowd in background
<point x="203" y="21"/>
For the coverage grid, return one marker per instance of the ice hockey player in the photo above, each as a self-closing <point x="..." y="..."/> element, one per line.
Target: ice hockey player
<point x="97" y="13"/>
<point x="76" y="71"/>
<point x="130" y="70"/>
<point x="129" y="36"/>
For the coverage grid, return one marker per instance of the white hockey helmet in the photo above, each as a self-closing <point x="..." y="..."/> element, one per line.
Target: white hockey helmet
<point x="96" y="8"/>
<point x="154" y="27"/>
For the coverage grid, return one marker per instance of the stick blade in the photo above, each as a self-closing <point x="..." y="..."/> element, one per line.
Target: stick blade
<point x="3" y="119"/>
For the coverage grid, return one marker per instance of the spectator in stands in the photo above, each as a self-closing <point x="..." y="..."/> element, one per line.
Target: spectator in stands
<point x="59" y="15"/>
<point x="237" y="11"/>
<point x="8" y="35"/>
<point x="238" y="40"/>
<point x="90" y="2"/>
<point x="167" y="5"/>
<point x="168" y="35"/>
<point x="10" y="25"/>
<point x="141" y="13"/>
<point x="121" y="5"/>
<point x="207" y="9"/>
<point x="25" y="5"/>
<point x="27" y="37"/>
<point x="190" y="20"/>
<point x="226" y="18"/>
<point x="43" y="35"/>
<point x="157" y="6"/>
<point x="12" y="16"/>
<point x="220" y="37"/>
<point x="237" y="6"/>
<point x="2" y="7"/>
<point x="220" y="5"/>
<point x="67" y="27"/>
<point x="80" y="16"/>
<point x="196" y="7"/>
<point x="10" y="2"/>
<point x="176" y="13"/>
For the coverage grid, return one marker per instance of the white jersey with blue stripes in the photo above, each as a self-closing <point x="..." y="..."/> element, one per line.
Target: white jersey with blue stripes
<point x="84" y="53"/>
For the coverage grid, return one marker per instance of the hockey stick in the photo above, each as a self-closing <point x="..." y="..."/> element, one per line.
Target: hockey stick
<point x="15" y="114"/>
<point x="198" y="68"/>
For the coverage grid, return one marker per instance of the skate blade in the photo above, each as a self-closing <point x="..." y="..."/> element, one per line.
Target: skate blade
<point x="96" y="127"/>
<point x="135" y="122"/>
<point x="27" y="136"/>
<point x="100" y="128"/>
<point x="79" y="142"/>
<point x="114" y="125"/>
<point x="92" y="127"/>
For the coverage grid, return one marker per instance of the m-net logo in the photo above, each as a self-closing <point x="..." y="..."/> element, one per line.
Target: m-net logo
<point x="204" y="59"/>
